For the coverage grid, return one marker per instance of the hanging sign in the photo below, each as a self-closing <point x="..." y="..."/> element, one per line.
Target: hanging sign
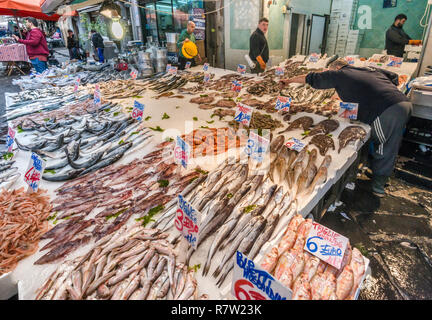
<point x="187" y="221"/>
<point x="256" y="146"/>
<point x="295" y="144"/>
<point x="350" y="110"/>
<point x="34" y="171"/>
<point x="138" y="111"/>
<point x="283" y="103"/>
<point x="243" y="114"/>
<point x="236" y="86"/>
<point x="182" y="152"/>
<point x="326" y="244"/>
<point x="241" y="68"/>
<point x="10" y="139"/>
<point x="97" y="96"/>
<point x="250" y="282"/>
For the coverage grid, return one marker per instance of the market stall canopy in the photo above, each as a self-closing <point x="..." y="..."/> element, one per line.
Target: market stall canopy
<point x="25" y="8"/>
<point x="62" y="6"/>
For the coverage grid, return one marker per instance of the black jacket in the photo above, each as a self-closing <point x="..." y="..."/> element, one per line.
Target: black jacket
<point x="258" y="46"/>
<point x="373" y="89"/>
<point x="396" y="39"/>
<point x="72" y="43"/>
<point x="97" y="40"/>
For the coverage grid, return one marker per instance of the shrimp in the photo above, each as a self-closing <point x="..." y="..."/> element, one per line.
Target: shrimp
<point x="344" y="283"/>
<point x="270" y="260"/>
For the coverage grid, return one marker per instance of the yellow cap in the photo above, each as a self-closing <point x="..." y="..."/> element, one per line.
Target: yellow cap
<point x="189" y="50"/>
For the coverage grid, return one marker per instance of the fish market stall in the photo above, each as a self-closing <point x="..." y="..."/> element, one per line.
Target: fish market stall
<point x="106" y="174"/>
<point x="11" y="54"/>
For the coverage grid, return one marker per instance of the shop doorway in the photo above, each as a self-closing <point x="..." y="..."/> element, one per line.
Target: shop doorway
<point x="317" y="34"/>
<point x="298" y="35"/>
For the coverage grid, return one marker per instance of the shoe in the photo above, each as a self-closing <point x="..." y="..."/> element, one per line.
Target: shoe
<point x="378" y="184"/>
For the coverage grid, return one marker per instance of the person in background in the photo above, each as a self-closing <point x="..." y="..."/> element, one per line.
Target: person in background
<point x="397" y="39"/>
<point x="186" y="35"/>
<point x="381" y="105"/>
<point x="258" y="46"/>
<point x="16" y="31"/>
<point x="36" y="45"/>
<point x="72" y="45"/>
<point x="98" y="44"/>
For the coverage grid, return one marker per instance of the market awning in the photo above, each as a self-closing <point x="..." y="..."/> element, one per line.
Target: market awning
<point x="25" y="8"/>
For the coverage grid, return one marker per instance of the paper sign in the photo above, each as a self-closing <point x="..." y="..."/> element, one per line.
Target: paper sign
<point x="168" y="67"/>
<point x="295" y="144"/>
<point x="253" y="283"/>
<point x="283" y="103"/>
<point x="34" y="171"/>
<point x="187" y="221"/>
<point x="182" y="152"/>
<point x="350" y="60"/>
<point x="138" y="111"/>
<point x="326" y="244"/>
<point x="10" y="139"/>
<point x="395" y="62"/>
<point x="256" y="146"/>
<point x="241" y="68"/>
<point x="77" y="83"/>
<point x="243" y="114"/>
<point x="172" y="70"/>
<point x="206" y="67"/>
<point x="314" y="57"/>
<point x="206" y="77"/>
<point x="350" y="110"/>
<point x="236" y="86"/>
<point x="188" y="65"/>
<point x="97" y="96"/>
<point x="279" y="72"/>
<point x="134" y="73"/>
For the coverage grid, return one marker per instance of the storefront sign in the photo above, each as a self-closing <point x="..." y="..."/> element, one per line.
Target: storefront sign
<point x="243" y="114"/>
<point x="350" y="110"/>
<point x="326" y="244"/>
<point x="34" y="172"/>
<point x="279" y="72"/>
<point x="182" y="152"/>
<point x="250" y="282"/>
<point x="200" y="23"/>
<point x="206" y="67"/>
<point x="256" y="146"/>
<point x="241" y="68"/>
<point x="188" y="65"/>
<point x="97" y="96"/>
<point x="187" y="221"/>
<point x="134" y="73"/>
<point x="77" y="83"/>
<point x="283" y="103"/>
<point x="395" y="62"/>
<point x="10" y="139"/>
<point x="295" y="144"/>
<point x="138" y="111"/>
<point x="236" y="86"/>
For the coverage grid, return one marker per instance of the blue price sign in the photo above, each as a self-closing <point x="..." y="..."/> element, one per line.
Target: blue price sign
<point x="138" y="111"/>
<point x="283" y="103"/>
<point x="256" y="147"/>
<point x="350" y="110"/>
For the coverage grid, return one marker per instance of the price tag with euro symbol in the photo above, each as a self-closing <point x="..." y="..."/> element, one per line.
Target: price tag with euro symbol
<point x="138" y="111"/>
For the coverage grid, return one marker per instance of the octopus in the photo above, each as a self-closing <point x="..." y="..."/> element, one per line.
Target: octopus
<point x="351" y="133"/>
<point x="222" y="113"/>
<point x="202" y="100"/>
<point x="206" y="106"/>
<point x="225" y="104"/>
<point x="323" y="142"/>
<point x="303" y="122"/>
<point x="324" y="127"/>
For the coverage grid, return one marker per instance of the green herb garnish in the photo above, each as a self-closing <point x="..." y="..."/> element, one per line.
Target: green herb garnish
<point x="204" y="127"/>
<point x="330" y="135"/>
<point x="203" y="95"/>
<point x="306" y="133"/>
<point x="135" y="132"/>
<point x="148" y="218"/>
<point x="52" y="217"/>
<point x="213" y="115"/>
<point x="147" y="118"/>
<point x="121" y="141"/>
<point x="157" y="129"/>
<point x="195" y="118"/>
<point x="116" y="114"/>
<point x="165" y="116"/>
<point x="67" y="218"/>
<point x="201" y="171"/>
<point x="137" y="97"/>
<point x="229" y="195"/>
<point x="115" y="215"/>
<point x="169" y="139"/>
<point x="49" y="171"/>
<point x="107" y="110"/>
<point x="163" y="183"/>
<point x="46" y="119"/>
<point x="8" y="155"/>
<point x="20" y="129"/>
<point x="195" y="267"/>
<point x="210" y="122"/>
<point x="249" y="208"/>
<point x="193" y="179"/>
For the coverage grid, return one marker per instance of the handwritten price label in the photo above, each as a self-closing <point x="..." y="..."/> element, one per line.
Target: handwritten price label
<point x="241" y="68"/>
<point x="206" y="67"/>
<point x="236" y="86"/>
<point x="314" y="57"/>
<point x="77" y="83"/>
<point x="395" y="62"/>
<point x="283" y="103"/>
<point x="188" y="65"/>
<point x="187" y="221"/>
<point x="243" y="114"/>
<point x="34" y="172"/>
<point x="168" y="67"/>
<point x="138" y="111"/>
<point x="279" y="72"/>
<point x="295" y="144"/>
<point x="97" y="96"/>
<point x="10" y="139"/>
<point x="134" y="73"/>
<point x="326" y="244"/>
<point x="182" y="152"/>
<point x="172" y="70"/>
<point x="256" y="147"/>
<point x="350" y="110"/>
<point x="206" y="77"/>
<point x="253" y="283"/>
<point x="350" y="60"/>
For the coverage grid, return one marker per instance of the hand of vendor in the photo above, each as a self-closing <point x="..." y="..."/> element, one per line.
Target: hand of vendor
<point x="298" y="79"/>
<point x="15" y="37"/>
<point x="261" y="62"/>
<point x="186" y="40"/>
<point x="415" y="42"/>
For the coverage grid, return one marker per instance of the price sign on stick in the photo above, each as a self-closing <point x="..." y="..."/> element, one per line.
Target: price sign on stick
<point x="295" y="144"/>
<point x="77" y="83"/>
<point x="138" y="111"/>
<point x="236" y="86"/>
<point x="168" y="67"/>
<point x="350" y="110"/>
<point x="243" y="114"/>
<point x="97" y="96"/>
<point x="134" y="73"/>
<point x="314" y="57"/>
<point x="10" y="139"/>
<point x="187" y="221"/>
<point x="241" y="68"/>
<point x="279" y="72"/>
<point x="256" y="146"/>
<point x="283" y="103"/>
<point x="33" y="174"/>
<point x="326" y="244"/>
<point x="395" y="62"/>
<point x="206" y="67"/>
<point x="182" y="152"/>
<point x="188" y="65"/>
<point x="172" y="70"/>
<point x="250" y="282"/>
<point x="206" y="77"/>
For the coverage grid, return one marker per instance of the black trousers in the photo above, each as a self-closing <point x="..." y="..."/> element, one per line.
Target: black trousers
<point x="182" y="62"/>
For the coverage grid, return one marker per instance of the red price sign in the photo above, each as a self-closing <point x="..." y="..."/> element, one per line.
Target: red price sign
<point x="244" y="290"/>
<point x="34" y="171"/>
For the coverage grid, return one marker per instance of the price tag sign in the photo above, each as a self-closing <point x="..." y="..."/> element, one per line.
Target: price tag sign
<point x="77" y="83"/>
<point x="168" y="67"/>
<point x="134" y="73"/>
<point x="283" y="103"/>
<point x="172" y="70"/>
<point x="241" y="68"/>
<point x="350" y="60"/>
<point x="206" y="67"/>
<point x="250" y="282"/>
<point x="138" y="111"/>
<point x="187" y="221"/>
<point x="243" y="114"/>
<point x="326" y="244"/>
<point x="350" y="110"/>
<point x="236" y="86"/>
<point x="256" y="146"/>
<point x="34" y="171"/>
<point x="10" y="139"/>
<point x="97" y="96"/>
<point x="395" y="62"/>
<point x="182" y="152"/>
<point x="188" y="65"/>
<point x="314" y="57"/>
<point x="206" y="77"/>
<point x="279" y="72"/>
<point x="295" y="144"/>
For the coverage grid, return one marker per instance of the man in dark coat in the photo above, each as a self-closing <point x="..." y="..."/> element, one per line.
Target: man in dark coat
<point x="258" y="46"/>
<point x="396" y="38"/>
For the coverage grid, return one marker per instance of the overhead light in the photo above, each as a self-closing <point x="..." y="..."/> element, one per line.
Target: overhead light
<point x="110" y="9"/>
<point x="117" y="29"/>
